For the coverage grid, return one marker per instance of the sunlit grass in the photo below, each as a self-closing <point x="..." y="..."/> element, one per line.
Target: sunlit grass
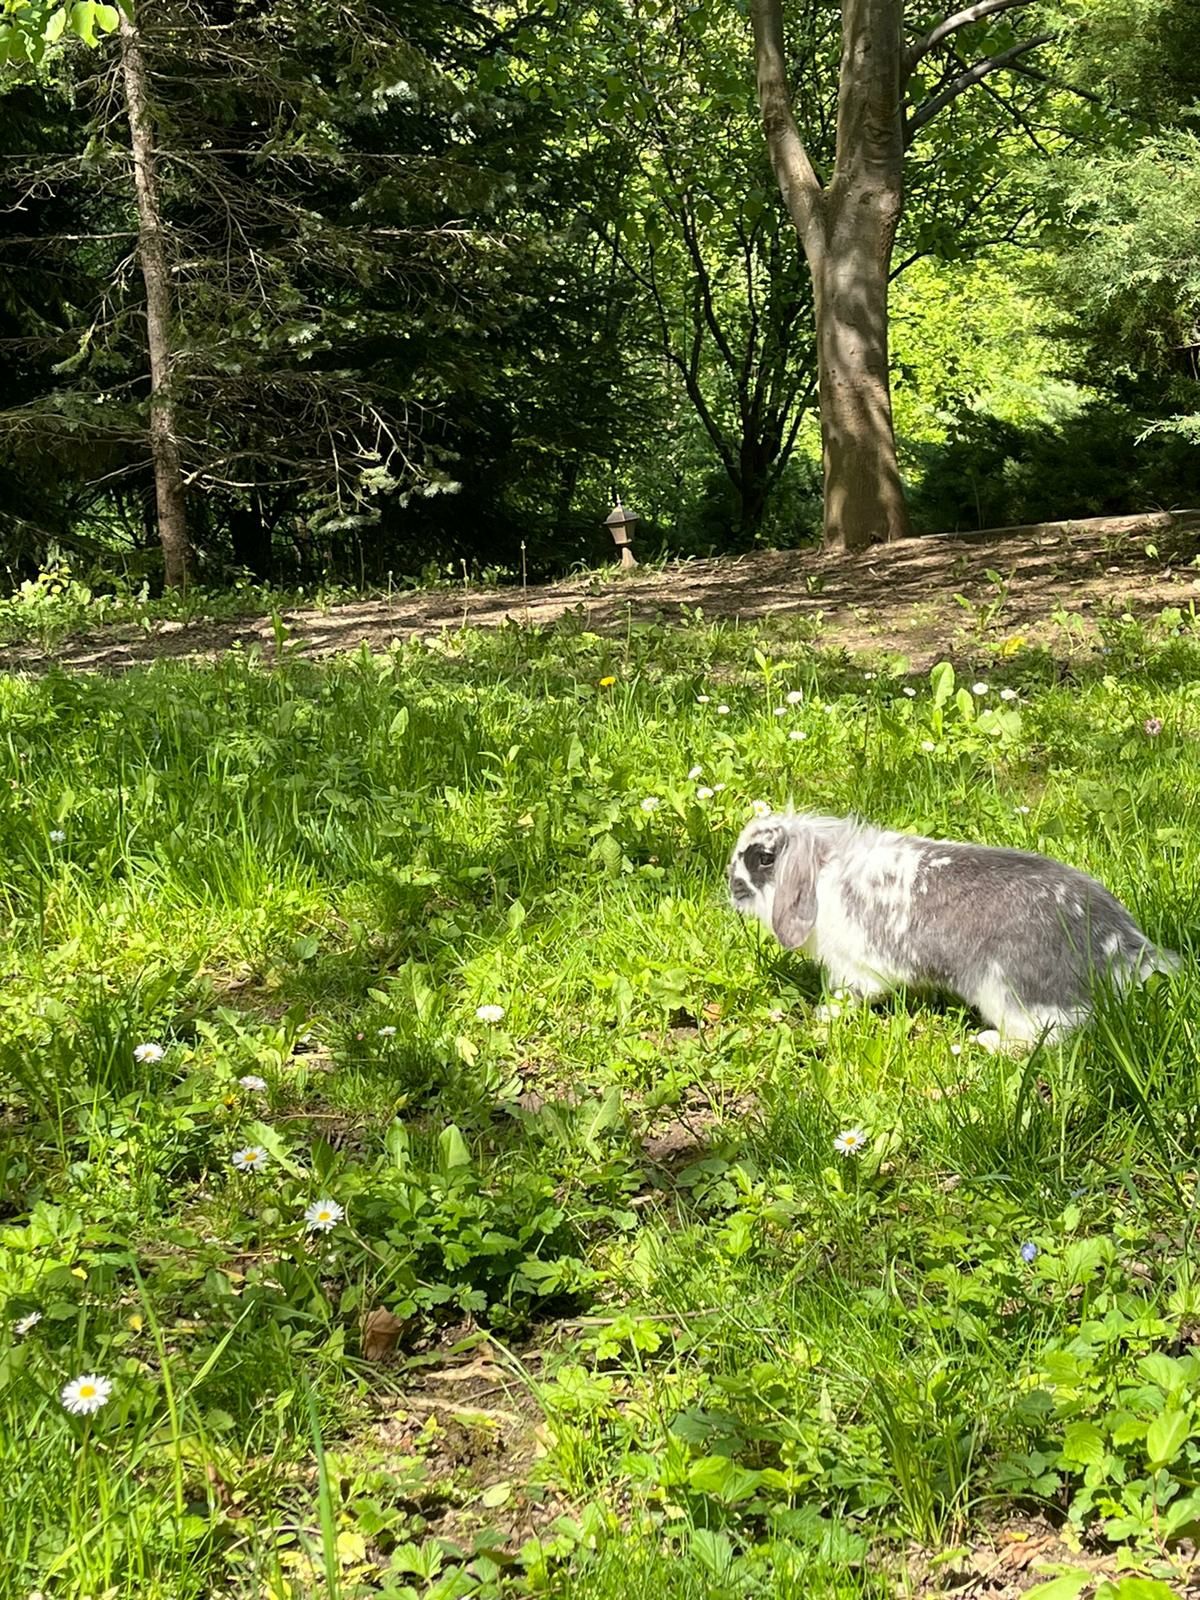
<point x="791" y="1362"/>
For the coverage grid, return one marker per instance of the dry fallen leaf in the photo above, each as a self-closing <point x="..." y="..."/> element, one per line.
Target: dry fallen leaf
<point x="220" y="1490"/>
<point x="381" y="1334"/>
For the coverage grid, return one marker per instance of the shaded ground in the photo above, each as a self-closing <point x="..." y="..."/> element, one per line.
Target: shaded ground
<point x="920" y="596"/>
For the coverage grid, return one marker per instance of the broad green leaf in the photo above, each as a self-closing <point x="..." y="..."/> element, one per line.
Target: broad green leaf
<point x="1167" y="1372"/>
<point x="1069" y="1583"/>
<point x="1083" y="1444"/>
<point x="710" y="1474"/>
<point x="1136" y="1589"/>
<point x="1179" y="1514"/>
<point x="452" y="1148"/>
<point x="713" y="1551"/>
<point x="1083" y="1258"/>
<point x="609" y="1114"/>
<point x="1166" y="1437"/>
<point x="941" y="681"/>
<point x="83" y="20"/>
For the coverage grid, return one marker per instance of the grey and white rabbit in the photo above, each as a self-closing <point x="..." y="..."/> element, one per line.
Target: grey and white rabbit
<point x="1018" y="936"/>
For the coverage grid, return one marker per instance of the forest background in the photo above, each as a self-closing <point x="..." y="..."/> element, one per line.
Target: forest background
<point x="438" y="281"/>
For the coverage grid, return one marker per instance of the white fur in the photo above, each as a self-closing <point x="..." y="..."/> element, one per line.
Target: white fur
<point x="1009" y="932"/>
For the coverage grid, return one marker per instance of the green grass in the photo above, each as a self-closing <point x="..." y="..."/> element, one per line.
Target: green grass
<point x="759" y="1370"/>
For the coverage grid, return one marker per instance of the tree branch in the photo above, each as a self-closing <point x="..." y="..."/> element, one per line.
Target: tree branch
<point x="801" y="401"/>
<point x="1027" y="71"/>
<point x="926" y="112"/>
<point x="687" y="369"/>
<point x="1017" y="115"/>
<point x="797" y="178"/>
<point x="960" y="19"/>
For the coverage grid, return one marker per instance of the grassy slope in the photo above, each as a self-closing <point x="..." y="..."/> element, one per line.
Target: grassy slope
<point x="807" y="1363"/>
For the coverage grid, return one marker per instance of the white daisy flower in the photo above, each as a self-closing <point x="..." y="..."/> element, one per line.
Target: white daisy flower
<point x="651" y="803"/>
<point x="1023" y="810"/>
<point x="148" y="1052"/>
<point x="956" y="1049"/>
<point x="761" y="808"/>
<point x="775" y="1014"/>
<point x="868" y="677"/>
<point x="910" y="691"/>
<point x="779" y="711"/>
<point x="928" y="744"/>
<point x="830" y="709"/>
<point x="1008" y="694"/>
<point x="25" y="1325"/>
<point x="83" y="1396"/>
<point x="386" y="1033"/>
<point x="722" y="711"/>
<point x="253" y="1082"/>
<point x="490" y="1013"/>
<point x="695" y="773"/>
<point x="718" y="788"/>
<point x="795" y="696"/>
<point x="850" y="1142"/>
<point x="979" y="688"/>
<point x="323" y="1216"/>
<point x="797" y="735"/>
<point x="704" y="793"/>
<point x="57" y="836"/>
<point x="703" y="699"/>
<point x="251" y="1159"/>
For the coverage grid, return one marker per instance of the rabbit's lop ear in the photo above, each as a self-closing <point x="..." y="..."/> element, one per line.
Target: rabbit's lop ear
<point x="794" y="912"/>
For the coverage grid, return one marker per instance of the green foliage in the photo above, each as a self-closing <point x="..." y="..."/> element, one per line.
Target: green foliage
<point x="991" y="472"/>
<point x="381" y="285"/>
<point x="966" y="340"/>
<point x="1121" y="274"/>
<point x="1131" y="282"/>
<point x="443" y="286"/>
<point x="29" y="27"/>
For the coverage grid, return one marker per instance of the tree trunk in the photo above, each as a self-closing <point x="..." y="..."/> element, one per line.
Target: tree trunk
<point x="864" y="497"/>
<point x="250" y="534"/>
<point x="164" y="446"/>
<point x="753" y="487"/>
<point x="847" y="231"/>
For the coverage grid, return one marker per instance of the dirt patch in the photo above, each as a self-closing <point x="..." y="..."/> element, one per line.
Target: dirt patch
<point x="481" y="1432"/>
<point x="1008" y="1560"/>
<point x="676" y="1139"/>
<point x="900" y="597"/>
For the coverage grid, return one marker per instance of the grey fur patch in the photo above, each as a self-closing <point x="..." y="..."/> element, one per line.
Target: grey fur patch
<point x="1046" y="927"/>
<point x="1021" y="936"/>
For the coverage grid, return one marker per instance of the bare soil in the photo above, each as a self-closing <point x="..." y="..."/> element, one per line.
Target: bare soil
<point x="919" y="597"/>
<point x="1015" y="1555"/>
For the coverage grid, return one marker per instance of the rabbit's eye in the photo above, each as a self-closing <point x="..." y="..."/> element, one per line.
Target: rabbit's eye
<point x="766" y="858"/>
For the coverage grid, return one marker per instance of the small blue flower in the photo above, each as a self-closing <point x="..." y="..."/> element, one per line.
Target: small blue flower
<point x="1029" y="1251"/>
